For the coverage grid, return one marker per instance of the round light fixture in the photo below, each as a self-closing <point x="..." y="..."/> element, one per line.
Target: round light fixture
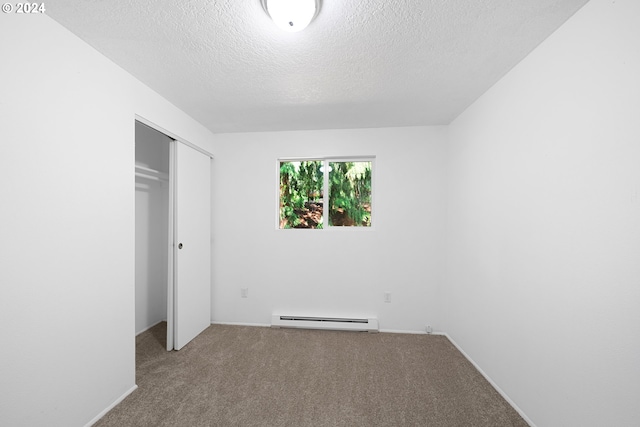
<point x="292" y="15"/>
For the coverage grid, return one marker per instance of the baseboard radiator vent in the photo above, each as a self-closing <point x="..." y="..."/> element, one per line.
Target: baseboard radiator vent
<point x="330" y="323"/>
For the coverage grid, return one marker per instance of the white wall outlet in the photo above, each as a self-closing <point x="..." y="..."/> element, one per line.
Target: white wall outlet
<point x="244" y="292"/>
<point x="387" y="297"/>
<point x="429" y="329"/>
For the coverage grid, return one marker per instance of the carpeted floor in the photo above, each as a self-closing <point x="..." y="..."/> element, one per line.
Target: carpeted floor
<point x="251" y="376"/>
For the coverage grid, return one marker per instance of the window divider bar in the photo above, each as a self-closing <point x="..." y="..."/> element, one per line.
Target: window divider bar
<point x="325" y="194"/>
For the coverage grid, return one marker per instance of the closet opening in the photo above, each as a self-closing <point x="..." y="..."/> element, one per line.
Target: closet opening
<point x="153" y="236"/>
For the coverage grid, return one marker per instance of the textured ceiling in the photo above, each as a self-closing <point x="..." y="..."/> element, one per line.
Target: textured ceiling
<point x="361" y="63"/>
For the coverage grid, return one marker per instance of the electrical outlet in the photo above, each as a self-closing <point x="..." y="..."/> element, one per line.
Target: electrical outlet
<point x="244" y="292"/>
<point x="429" y="329"/>
<point x="387" y="297"/>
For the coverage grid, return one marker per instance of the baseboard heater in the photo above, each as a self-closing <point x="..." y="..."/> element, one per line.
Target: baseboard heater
<point x="330" y="323"/>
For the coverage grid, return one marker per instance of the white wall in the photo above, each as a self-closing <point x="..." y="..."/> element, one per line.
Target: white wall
<point x="67" y="222"/>
<point x="152" y="228"/>
<point x="331" y="271"/>
<point x="544" y="225"/>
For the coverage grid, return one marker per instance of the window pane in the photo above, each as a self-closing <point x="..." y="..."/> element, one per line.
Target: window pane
<point x="350" y="194"/>
<point x="301" y="194"/>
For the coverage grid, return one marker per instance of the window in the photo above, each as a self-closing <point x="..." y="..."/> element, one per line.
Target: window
<point x="303" y="197"/>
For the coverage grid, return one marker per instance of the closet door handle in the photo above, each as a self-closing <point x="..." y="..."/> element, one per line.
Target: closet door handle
<point x="179" y="245"/>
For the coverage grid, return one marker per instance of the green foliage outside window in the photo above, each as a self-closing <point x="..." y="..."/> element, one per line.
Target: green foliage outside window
<point x="302" y="195"/>
<point x="350" y="194"/>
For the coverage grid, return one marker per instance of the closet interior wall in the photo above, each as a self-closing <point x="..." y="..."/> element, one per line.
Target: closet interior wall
<point x="152" y="226"/>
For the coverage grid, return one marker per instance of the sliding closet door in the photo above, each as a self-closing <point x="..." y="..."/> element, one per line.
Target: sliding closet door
<point x="192" y="286"/>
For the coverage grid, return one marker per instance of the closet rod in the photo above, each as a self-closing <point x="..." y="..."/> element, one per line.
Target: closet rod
<point x="151" y="177"/>
<point x="145" y="171"/>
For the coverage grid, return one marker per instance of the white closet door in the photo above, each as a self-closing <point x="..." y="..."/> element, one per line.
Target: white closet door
<point x="192" y="287"/>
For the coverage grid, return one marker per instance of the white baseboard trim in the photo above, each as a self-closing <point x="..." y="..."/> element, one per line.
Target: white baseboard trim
<point x="400" y="331"/>
<point x="493" y="384"/>
<point x="268" y="325"/>
<point x="110" y="407"/>
<point x="261" y="325"/>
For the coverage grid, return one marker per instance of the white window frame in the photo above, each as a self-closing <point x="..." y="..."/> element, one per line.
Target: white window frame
<point x="325" y="186"/>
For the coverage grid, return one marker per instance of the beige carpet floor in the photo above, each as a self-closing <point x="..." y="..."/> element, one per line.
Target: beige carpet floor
<point x="251" y="376"/>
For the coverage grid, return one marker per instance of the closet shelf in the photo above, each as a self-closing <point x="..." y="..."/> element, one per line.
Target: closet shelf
<point x="145" y="172"/>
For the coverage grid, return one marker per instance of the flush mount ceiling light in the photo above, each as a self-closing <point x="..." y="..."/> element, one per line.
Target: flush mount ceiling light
<point x="292" y="15"/>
